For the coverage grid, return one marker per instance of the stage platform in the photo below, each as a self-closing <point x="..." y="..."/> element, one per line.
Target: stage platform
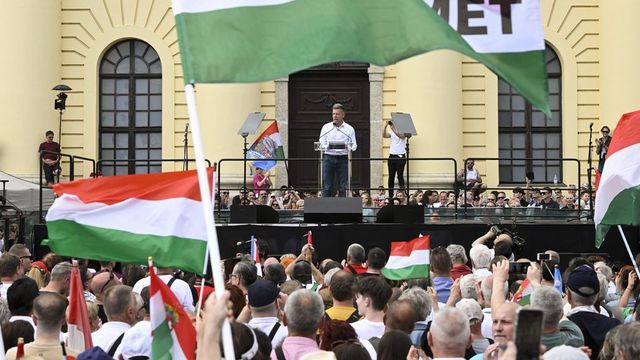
<point x="569" y="236"/>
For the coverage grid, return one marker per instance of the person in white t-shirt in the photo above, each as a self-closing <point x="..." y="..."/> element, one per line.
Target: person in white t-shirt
<point x="371" y="297"/>
<point x="397" y="155"/>
<point x="178" y="286"/>
<point x="470" y="177"/>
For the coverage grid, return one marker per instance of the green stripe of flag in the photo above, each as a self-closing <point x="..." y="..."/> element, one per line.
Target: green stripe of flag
<point x="253" y="44"/>
<point x="622" y="210"/>
<point x="162" y="342"/>
<point x="410" y="272"/>
<point x="69" y="238"/>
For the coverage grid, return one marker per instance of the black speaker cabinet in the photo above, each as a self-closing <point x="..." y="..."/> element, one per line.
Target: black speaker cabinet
<point x="40" y="233"/>
<point x="401" y="214"/>
<point x="333" y="210"/>
<point x="253" y="214"/>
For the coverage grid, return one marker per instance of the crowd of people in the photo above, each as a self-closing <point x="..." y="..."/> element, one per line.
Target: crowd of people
<point x="288" y="198"/>
<point x="307" y="307"/>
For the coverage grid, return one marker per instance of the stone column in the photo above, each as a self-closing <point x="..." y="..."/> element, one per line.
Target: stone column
<point x="282" y="116"/>
<point x="619" y="53"/>
<point x="31" y="67"/>
<point x="429" y="87"/>
<point x="376" y="76"/>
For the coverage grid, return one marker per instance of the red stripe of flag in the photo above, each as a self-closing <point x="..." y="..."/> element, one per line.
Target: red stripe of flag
<point x="627" y="133"/>
<point x="405" y="248"/>
<point x="114" y="189"/>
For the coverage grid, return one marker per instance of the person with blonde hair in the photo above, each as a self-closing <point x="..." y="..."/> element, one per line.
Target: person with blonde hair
<point x="38" y="276"/>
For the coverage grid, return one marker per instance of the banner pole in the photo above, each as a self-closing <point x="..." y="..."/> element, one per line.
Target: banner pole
<point x="207" y="207"/>
<point x="626" y="244"/>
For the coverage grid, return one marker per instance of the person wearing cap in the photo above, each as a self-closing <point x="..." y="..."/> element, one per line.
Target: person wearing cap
<point x="582" y="290"/>
<point x="473" y="311"/>
<point x="263" y="296"/>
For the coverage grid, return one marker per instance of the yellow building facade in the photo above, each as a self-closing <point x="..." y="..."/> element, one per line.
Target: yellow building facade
<point x="454" y="100"/>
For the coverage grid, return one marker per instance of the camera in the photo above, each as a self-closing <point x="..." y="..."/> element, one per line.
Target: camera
<point x="511" y="230"/>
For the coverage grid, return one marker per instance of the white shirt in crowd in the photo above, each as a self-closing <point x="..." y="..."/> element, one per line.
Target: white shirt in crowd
<point x="108" y="334"/>
<point x="179" y="287"/>
<point x="4" y="287"/>
<point x="366" y="329"/>
<point x="266" y="324"/>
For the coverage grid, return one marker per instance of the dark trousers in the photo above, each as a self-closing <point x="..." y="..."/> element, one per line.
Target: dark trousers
<point x="48" y="172"/>
<point x="396" y="165"/>
<point x="338" y="166"/>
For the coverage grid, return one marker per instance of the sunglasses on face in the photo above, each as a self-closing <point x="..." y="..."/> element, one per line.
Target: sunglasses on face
<point x="543" y="193"/>
<point x="501" y="197"/>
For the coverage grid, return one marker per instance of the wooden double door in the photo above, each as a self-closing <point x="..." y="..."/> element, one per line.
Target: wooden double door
<point x="312" y="93"/>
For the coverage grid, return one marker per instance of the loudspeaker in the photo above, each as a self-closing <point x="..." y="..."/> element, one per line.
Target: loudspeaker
<point x="333" y="210"/>
<point x="40" y="233"/>
<point x="401" y="214"/>
<point x="253" y="214"/>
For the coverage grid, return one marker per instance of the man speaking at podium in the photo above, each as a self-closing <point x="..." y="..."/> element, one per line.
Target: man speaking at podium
<point x="337" y="137"/>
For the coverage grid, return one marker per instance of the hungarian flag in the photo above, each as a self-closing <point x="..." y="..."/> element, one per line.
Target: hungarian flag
<point x="173" y="334"/>
<point x="618" y="196"/>
<point x="127" y="218"/>
<point x="258" y="40"/>
<point x="523" y="295"/>
<point x="408" y="259"/>
<point x="79" y="328"/>
<point x="266" y="146"/>
<point x="255" y="255"/>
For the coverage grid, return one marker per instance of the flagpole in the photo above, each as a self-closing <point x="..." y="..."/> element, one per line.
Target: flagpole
<point x="626" y="244"/>
<point x="207" y="208"/>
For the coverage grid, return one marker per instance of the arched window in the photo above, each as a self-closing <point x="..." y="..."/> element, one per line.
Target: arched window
<point x="130" y="108"/>
<point x="525" y="132"/>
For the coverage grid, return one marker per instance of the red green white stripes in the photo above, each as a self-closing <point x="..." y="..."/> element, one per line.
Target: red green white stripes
<point x="174" y="336"/>
<point x="523" y="295"/>
<point x="128" y="218"/>
<point x="408" y="260"/>
<point x="618" y="196"/>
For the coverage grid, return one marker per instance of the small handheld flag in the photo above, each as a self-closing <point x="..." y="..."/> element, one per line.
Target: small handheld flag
<point x="255" y="254"/>
<point x="557" y="279"/>
<point x="309" y="238"/>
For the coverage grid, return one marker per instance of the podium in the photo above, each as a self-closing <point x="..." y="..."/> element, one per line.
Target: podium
<point x="322" y="147"/>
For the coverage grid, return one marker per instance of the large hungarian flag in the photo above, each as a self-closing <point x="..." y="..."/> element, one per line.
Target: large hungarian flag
<point x="173" y="334"/>
<point x="408" y="259"/>
<point x="128" y="218"/>
<point x="267" y="146"/>
<point x="78" y="324"/>
<point x="257" y="40"/>
<point x="618" y="196"/>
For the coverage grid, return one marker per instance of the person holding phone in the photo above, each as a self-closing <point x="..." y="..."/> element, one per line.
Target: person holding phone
<point x="397" y="155"/>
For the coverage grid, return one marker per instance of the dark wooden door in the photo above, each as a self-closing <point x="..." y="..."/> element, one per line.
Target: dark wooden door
<point x="312" y="93"/>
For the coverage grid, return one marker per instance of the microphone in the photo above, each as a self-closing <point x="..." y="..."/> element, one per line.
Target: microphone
<point x="325" y="134"/>
<point x="186" y="127"/>
<point x="591" y="126"/>
<point x="240" y="243"/>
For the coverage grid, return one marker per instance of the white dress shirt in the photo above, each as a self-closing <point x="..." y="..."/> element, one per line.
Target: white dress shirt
<point x="108" y="334"/>
<point x="179" y="287"/>
<point x="343" y="133"/>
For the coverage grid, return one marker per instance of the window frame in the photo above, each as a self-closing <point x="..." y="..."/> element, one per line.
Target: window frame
<point x="131" y="129"/>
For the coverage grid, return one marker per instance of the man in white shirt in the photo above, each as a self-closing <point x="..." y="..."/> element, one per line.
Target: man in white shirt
<point x="397" y="155"/>
<point x="264" y="310"/>
<point x="371" y="297"/>
<point x="10" y="270"/>
<point x="470" y="177"/>
<point x="120" y="306"/>
<point x="335" y="161"/>
<point x="179" y="287"/>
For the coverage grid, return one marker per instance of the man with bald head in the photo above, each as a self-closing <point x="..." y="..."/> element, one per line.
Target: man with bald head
<point x="120" y="306"/>
<point x="99" y="284"/>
